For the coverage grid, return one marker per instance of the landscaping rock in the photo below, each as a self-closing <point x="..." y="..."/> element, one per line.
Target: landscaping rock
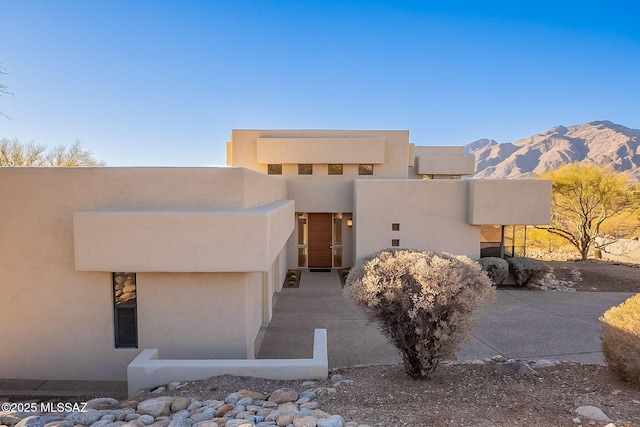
<point x="304" y="422"/>
<point x="180" y="422"/>
<point x="146" y="419"/>
<point x="283" y="395"/>
<point x="285" y="407"/>
<point x="254" y="395"/>
<point x="33" y="421"/>
<point x="180" y="404"/>
<point x="63" y="423"/>
<point x="222" y="410"/>
<point x="156" y="407"/>
<point x="85" y="418"/>
<point x="593" y="413"/>
<point x="284" y="420"/>
<point x="515" y="368"/>
<point x="102" y="403"/>
<point x="332" y="421"/>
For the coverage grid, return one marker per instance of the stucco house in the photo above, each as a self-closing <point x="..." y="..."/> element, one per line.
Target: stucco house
<point x="98" y="264"/>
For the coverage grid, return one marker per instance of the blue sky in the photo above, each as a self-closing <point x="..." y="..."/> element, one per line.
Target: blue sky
<point x="163" y="83"/>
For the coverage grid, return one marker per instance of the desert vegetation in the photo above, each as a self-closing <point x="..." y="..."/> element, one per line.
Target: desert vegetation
<point x="620" y="337"/>
<point x="588" y="201"/>
<point x="527" y="271"/>
<point x="496" y="268"/>
<point x="15" y="153"/>
<point x="422" y="302"/>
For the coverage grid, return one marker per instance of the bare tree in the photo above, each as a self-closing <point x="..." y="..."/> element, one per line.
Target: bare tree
<point x="14" y="153"/>
<point x="74" y="155"/>
<point x="3" y="91"/>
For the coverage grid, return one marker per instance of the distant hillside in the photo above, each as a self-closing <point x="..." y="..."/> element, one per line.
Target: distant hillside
<point x="601" y="142"/>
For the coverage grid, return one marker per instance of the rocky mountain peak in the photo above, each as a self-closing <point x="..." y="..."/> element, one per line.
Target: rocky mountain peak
<point x="600" y="142"/>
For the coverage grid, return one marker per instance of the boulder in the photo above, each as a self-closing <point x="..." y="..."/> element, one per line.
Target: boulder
<point x="283" y="395"/>
<point x="156" y="407"/>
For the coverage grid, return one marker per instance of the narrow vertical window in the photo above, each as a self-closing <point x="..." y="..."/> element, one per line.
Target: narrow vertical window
<point x="305" y="169"/>
<point x="274" y="169"/>
<point x="302" y="240"/>
<point x="337" y="240"/>
<point x="335" y="169"/>
<point x="125" y="310"/>
<point x="365" y="169"/>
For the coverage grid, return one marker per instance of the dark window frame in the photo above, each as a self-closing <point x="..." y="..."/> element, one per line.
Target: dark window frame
<point x="365" y="169"/>
<point x="335" y="169"/>
<point x="305" y="169"/>
<point x="274" y="169"/>
<point x="125" y="336"/>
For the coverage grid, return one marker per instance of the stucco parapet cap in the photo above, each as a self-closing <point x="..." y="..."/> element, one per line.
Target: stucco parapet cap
<point x="410" y="181"/>
<point x="264" y="209"/>
<point x="294" y="132"/>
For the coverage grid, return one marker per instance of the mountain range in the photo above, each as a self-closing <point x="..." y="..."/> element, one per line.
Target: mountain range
<point x="600" y="142"/>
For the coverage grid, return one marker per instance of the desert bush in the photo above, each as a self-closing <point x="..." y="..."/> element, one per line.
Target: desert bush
<point x="527" y="270"/>
<point x="620" y="336"/>
<point x="422" y="302"/>
<point x="496" y="268"/>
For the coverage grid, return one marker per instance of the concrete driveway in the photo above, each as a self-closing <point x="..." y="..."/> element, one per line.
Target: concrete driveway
<point x="520" y="324"/>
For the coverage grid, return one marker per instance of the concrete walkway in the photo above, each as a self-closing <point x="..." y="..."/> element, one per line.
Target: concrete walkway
<point x="318" y="303"/>
<point x="519" y="324"/>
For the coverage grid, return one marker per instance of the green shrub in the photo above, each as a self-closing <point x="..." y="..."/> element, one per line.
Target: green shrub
<point x="422" y="302"/>
<point x="527" y="271"/>
<point x="496" y="268"/>
<point x="620" y="336"/>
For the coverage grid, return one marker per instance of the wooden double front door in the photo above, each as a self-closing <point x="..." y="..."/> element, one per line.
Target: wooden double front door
<point x="320" y="239"/>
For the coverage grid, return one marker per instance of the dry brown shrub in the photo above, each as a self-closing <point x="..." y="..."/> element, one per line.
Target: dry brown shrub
<point x="422" y="302"/>
<point x="496" y="268"/>
<point x="620" y="337"/>
<point x="527" y="271"/>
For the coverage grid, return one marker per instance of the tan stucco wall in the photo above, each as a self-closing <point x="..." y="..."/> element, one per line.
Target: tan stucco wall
<point x="324" y="193"/>
<point x="151" y="188"/>
<point x="446" y="165"/>
<point x="59" y="321"/>
<point x="439" y="150"/>
<point x="441" y="160"/>
<point x="182" y="241"/>
<point x="321" y="192"/>
<point x="244" y="145"/>
<point x="199" y="315"/>
<point x="272" y="282"/>
<point x="259" y="189"/>
<point x="509" y="201"/>
<point x="350" y="150"/>
<point x="412" y="155"/>
<point x="347" y="241"/>
<point x="432" y="215"/>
